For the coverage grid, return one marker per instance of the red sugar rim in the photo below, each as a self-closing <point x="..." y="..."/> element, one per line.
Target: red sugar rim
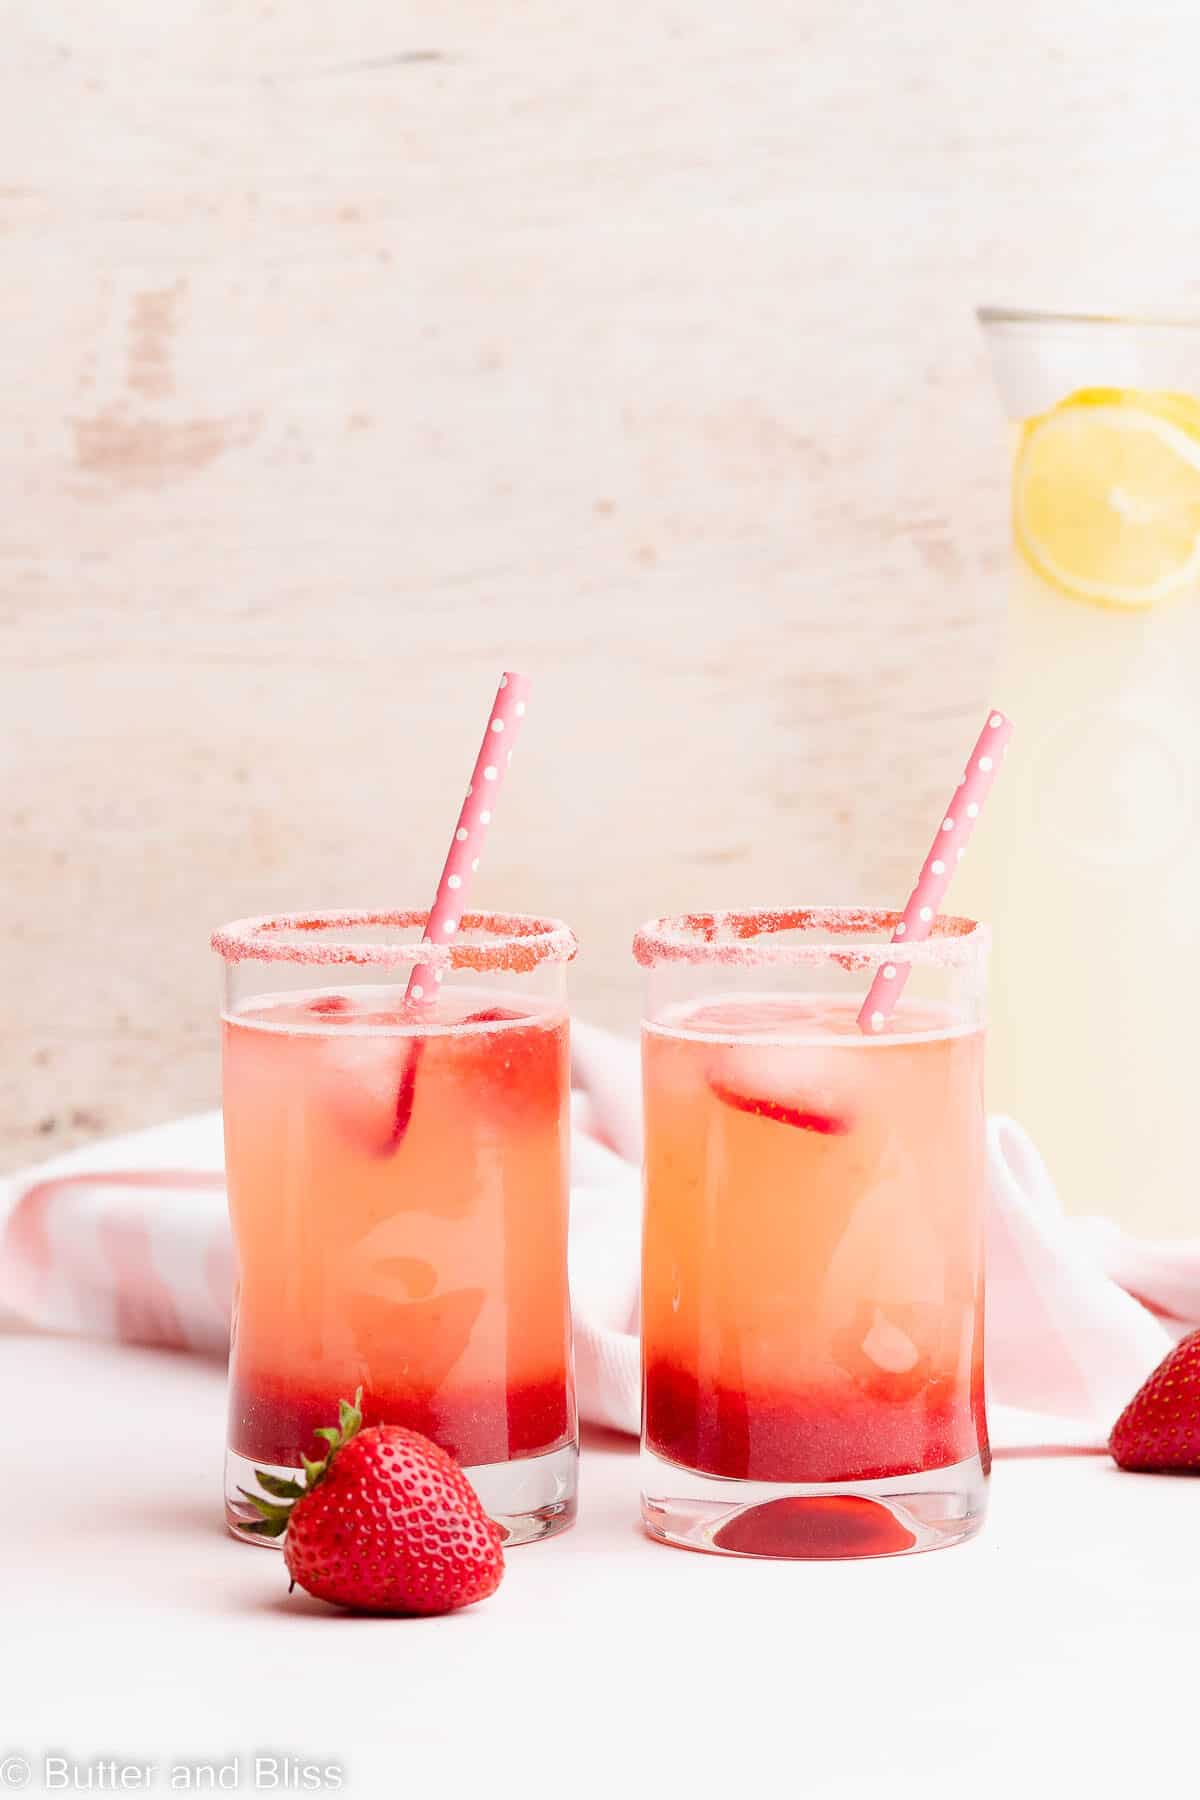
<point x="747" y="939"/>
<point x="519" y="941"/>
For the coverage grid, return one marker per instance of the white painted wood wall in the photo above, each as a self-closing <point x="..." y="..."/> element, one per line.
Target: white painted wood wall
<point x="350" y="352"/>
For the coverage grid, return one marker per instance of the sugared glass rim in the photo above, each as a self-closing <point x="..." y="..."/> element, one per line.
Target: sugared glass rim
<point x="746" y="939"/>
<point x="1151" y="317"/>
<point x="514" y="941"/>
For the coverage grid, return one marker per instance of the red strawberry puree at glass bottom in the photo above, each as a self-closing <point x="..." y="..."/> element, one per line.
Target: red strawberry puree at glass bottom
<point x="812" y="1302"/>
<point x="398" y="1197"/>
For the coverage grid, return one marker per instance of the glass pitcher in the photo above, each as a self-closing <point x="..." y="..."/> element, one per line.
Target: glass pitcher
<point x="1088" y="863"/>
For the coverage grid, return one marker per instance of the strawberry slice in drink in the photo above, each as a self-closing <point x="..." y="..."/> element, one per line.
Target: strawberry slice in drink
<point x="368" y="1086"/>
<point x="406" y="1091"/>
<point x="780" y="1112"/>
<point x="371" y="1081"/>
<point x="784" y="1086"/>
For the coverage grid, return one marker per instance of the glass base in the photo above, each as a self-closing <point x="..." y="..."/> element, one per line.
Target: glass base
<point x="531" y="1497"/>
<point x="818" y="1520"/>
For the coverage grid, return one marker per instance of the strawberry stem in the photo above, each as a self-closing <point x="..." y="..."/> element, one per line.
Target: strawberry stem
<point x="274" y="1513"/>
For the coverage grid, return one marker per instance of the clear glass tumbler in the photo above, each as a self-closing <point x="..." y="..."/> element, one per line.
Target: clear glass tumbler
<point x="812" y="1277"/>
<point x="1088" y="859"/>
<point x="398" y="1191"/>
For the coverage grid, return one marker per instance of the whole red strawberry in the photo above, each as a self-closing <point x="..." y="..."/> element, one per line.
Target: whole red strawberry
<point x="1160" y="1428"/>
<point x="387" y="1522"/>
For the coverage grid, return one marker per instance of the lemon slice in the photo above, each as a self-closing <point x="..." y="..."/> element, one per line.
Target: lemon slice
<point x="1106" y="495"/>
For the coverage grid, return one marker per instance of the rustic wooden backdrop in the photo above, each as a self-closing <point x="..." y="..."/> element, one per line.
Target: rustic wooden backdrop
<point x="350" y="352"/>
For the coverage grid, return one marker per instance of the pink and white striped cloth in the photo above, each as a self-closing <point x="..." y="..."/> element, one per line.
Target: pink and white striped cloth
<point x="128" y="1239"/>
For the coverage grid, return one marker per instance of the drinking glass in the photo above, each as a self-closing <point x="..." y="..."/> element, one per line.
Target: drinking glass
<point x="398" y="1194"/>
<point x="812" y="1276"/>
<point x="1089" y="857"/>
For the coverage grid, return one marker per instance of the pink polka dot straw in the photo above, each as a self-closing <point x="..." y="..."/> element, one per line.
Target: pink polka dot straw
<point x="945" y="854"/>
<point x="466" y="846"/>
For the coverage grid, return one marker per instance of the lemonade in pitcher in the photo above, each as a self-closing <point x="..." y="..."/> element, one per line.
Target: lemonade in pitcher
<point x="1088" y="862"/>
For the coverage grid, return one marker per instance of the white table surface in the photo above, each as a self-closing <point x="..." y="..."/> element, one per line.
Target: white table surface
<point x="1060" y="1646"/>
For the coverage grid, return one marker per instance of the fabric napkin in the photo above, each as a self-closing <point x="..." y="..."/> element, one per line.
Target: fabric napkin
<point x="128" y="1238"/>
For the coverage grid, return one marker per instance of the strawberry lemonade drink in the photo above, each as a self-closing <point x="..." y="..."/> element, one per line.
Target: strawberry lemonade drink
<point x="812" y="1269"/>
<point x="398" y="1193"/>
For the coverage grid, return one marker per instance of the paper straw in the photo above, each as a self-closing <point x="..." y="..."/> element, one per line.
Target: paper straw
<point x="945" y="853"/>
<point x="466" y="845"/>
